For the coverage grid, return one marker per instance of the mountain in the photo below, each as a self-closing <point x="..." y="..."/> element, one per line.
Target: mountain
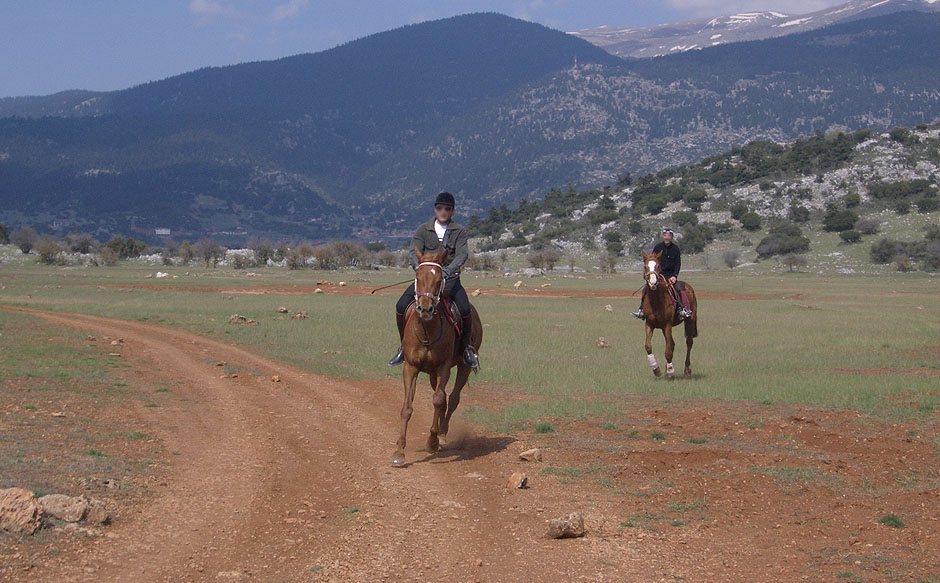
<point x="354" y="141"/>
<point x="665" y="39"/>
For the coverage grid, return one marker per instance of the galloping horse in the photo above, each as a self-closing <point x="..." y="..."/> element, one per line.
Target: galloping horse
<point x="659" y="307"/>
<point x="431" y="345"/>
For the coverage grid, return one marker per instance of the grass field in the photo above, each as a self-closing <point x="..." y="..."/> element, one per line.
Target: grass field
<point x="868" y="343"/>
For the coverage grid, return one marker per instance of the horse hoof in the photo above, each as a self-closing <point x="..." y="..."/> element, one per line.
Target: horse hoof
<point x="657" y="372"/>
<point x="443" y="441"/>
<point x="688" y="372"/>
<point x="432" y="447"/>
<point x="398" y="460"/>
<point x="670" y="377"/>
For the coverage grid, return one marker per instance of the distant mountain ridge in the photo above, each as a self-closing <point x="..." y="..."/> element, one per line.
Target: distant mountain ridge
<point x="352" y="142"/>
<point x="666" y="39"/>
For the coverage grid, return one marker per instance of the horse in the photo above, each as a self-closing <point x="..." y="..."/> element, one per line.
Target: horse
<point x="659" y="308"/>
<point x="431" y="345"/>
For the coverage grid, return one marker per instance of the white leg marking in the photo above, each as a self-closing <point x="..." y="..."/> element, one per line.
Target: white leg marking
<point x="652" y="359"/>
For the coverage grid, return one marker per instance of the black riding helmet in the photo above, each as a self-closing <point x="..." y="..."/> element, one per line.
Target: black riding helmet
<point x="445" y="198"/>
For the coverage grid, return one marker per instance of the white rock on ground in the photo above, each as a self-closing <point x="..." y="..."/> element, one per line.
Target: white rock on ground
<point x="20" y="512"/>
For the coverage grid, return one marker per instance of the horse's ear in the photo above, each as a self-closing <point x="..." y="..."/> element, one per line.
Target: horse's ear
<point x="656" y="255"/>
<point x="438" y="257"/>
<point x="645" y="256"/>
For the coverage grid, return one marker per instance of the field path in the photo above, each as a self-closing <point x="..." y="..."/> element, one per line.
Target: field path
<point x="290" y="480"/>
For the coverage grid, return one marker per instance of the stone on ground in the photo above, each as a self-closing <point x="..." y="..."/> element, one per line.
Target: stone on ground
<point x="67" y="508"/>
<point x="518" y="481"/>
<point x="531" y="455"/>
<point x="571" y="526"/>
<point x="20" y="512"/>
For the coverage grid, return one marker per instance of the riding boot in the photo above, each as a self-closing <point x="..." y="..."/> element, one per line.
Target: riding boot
<point x="469" y="355"/>
<point x="685" y="302"/>
<point x="400" y="357"/>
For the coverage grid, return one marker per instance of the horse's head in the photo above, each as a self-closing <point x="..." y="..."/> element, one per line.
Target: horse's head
<point x="429" y="282"/>
<point x="651" y="271"/>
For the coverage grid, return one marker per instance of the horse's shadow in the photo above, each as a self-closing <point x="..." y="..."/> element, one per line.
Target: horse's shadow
<point x="467" y="449"/>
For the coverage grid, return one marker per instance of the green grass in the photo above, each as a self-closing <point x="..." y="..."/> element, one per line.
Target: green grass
<point x="95" y="453"/>
<point x="658" y="436"/>
<point x="697" y="440"/>
<point x="757" y="340"/>
<point x="544" y="427"/>
<point x="891" y="520"/>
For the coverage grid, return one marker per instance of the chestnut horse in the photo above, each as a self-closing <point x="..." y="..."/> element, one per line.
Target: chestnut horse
<point x="659" y="309"/>
<point x="431" y="345"/>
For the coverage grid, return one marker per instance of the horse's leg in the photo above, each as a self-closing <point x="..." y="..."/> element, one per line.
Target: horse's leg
<point x="649" y="350"/>
<point x="670" y="349"/>
<point x="409" y="378"/>
<point x="440" y="405"/>
<point x="688" y="352"/>
<point x="463" y="373"/>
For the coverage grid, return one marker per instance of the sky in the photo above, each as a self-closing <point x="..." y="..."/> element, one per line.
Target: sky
<point x="53" y="45"/>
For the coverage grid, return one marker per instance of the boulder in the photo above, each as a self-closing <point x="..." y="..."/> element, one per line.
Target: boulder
<point x="282" y="310"/>
<point x="519" y="481"/>
<point x="67" y="508"/>
<point x="97" y="512"/>
<point x="571" y="526"/>
<point x="608" y="308"/>
<point x="518" y="284"/>
<point x="531" y="455"/>
<point x="602" y="343"/>
<point x="20" y="512"/>
<point x="477" y="292"/>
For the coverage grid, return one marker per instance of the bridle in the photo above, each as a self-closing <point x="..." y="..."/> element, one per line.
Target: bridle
<point x="435" y="298"/>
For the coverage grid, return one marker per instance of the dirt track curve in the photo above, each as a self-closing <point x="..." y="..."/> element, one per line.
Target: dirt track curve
<point x="271" y="474"/>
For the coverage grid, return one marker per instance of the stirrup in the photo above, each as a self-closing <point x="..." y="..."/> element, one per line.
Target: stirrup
<point x="470" y="357"/>
<point x="639" y="315"/>
<point x="398" y="358"/>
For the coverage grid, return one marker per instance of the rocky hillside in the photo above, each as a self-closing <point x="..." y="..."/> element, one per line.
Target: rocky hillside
<point x="834" y="198"/>
<point x="666" y="39"/>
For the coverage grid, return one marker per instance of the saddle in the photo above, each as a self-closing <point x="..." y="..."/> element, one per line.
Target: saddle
<point x="450" y="311"/>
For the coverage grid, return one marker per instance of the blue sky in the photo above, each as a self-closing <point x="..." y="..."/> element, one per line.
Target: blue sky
<point x="52" y="45"/>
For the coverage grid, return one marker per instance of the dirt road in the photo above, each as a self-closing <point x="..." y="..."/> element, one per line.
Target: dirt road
<point x="291" y="481"/>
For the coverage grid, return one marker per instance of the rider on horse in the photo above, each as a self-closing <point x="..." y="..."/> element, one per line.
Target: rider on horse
<point x="670" y="263"/>
<point x="441" y="231"/>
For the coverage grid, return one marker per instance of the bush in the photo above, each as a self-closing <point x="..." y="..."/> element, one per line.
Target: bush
<point x="608" y="263"/>
<point x="209" y="251"/>
<point x="932" y="232"/>
<point x="783" y="239"/>
<point x="387" y="258"/>
<point x="903" y="263"/>
<point x="80" y="242"/>
<point x="126" y="247"/>
<point x="324" y="257"/>
<point x="107" y="256"/>
<point x="241" y="261"/>
<point x="683" y="218"/>
<point x="932" y="256"/>
<point x="24" y="238"/>
<point x="750" y="221"/>
<point x="732" y="258"/>
<point x="656" y="204"/>
<point x="867" y="226"/>
<point x="697" y="237"/>
<point x="535" y="260"/>
<point x="798" y="213"/>
<point x="902" y="207"/>
<point x="263" y="251"/>
<point x="186" y="252"/>
<point x="739" y="210"/>
<point x="839" y="220"/>
<point x="4" y="234"/>
<point x="852" y="200"/>
<point x="885" y="250"/>
<point x="850" y="236"/>
<point x="349" y="254"/>
<point x="794" y="260"/>
<point x="50" y="253"/>
<point x="928" y="205"/>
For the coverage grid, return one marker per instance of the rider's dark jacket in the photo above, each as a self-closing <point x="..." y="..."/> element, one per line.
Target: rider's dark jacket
<point x="671" y="260"/>
<point x="455" y="241"/>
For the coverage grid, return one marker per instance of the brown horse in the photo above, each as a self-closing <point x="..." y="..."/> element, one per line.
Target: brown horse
<point x="431" y="345"/>
<point x="659" y="308"/>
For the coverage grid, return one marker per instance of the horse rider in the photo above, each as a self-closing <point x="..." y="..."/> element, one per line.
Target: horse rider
<point x="441" y="232"/>
<point x="670" y="262"/>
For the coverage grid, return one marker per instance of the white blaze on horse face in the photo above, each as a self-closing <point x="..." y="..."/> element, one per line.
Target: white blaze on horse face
<point x="651" y="267"/>
<point x="433" y="271"/>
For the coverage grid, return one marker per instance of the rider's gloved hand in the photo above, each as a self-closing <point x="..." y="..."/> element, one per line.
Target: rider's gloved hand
<point x="446" y="272"/>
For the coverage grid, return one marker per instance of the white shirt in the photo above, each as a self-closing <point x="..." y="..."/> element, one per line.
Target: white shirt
<point x="440" y="230"/>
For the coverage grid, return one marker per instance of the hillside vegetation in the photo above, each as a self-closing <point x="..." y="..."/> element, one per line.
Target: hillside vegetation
<point x="852" y="199"/>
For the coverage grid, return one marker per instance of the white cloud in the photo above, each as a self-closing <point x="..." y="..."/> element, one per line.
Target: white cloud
<point x="723" y="7"/>
<point x="288" y="10"/>
<point x="212" y="8"/>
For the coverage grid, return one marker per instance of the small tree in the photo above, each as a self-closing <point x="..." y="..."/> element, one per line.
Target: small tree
<point x="24" y="238"/>
<point x="903" y="263"/>
<point x="867" y="226"/>
<point x="324" y="257"/>
<point x="536" y="260"/>
<point x="209" y="251"/>
<point x="80" y="242"/>
<point x="850" y="236"/>
<point x="306" y="251"/>
<point x="732" y="258"/>
<point x="750" y="221"/>
<point x="552" y="257"/>
<point x="608" y="263"/>
<point x="263" y="251"/>
<point x="107" y="256"/>
<point x="50" y="253"/>
<point x="4" y="234"/>
<point x="794" y="260"/>
<point x="186" y="252"/>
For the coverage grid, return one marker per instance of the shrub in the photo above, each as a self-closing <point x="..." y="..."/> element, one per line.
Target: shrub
<point x="932" y="232"/>
<point x="928" y="205"/>
<point x="324" y="257"/>
<point x="724" y="227"/>
<point x="552" y="257"/>
<point x="50" y="253"/>
<point x="852" y="200"/>
<point x="739" y="210"/>
<point x="608" y="263"/>
<point x="683" y="218"/>
<point x="263" y="251"/>
<point x="80" y="242"/>
<point x="656" y="204"/>
<point x="697" y="237"/>
<point x="839" y="220"/>
<point x="750" y="221"/>
<point x="798" y="213"/>
<point x="867" y="226"/>
<point x="850" y="236"/>
<point x="388" y="259"/>
<point x="903" y="263"/>
<point x="107" y="256"/>
<point x="209" y="251"/>
<point x="794" y="260"/>
<point x="241" y="261"/>
<point x="186" y="252"/>
<point x="535" y="260"/>
<point x="732" y="258"/>
<point x="902" y="207"/>
<point x="885" y="250"/>
<point x="4" y="234"/>
<point x="350" y="254"/>
<point x="24" y="238"/>
<point x="931" y="258"/>
<point x="126" y="247"/>
<point x="783" y="239"/>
